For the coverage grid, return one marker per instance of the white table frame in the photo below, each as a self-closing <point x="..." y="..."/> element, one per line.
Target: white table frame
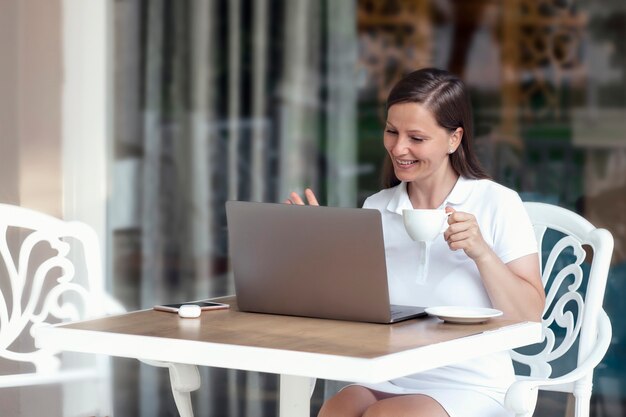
<point x="298" y="370"/>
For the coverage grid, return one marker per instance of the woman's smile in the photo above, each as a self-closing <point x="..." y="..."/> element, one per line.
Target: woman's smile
<point x="405" y="163"/>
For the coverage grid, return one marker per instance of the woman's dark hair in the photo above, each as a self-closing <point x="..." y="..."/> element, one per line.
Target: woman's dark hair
<point x="445" y="95"/>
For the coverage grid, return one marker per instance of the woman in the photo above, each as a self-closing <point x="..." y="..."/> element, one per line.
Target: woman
<point x="487" y="257"/>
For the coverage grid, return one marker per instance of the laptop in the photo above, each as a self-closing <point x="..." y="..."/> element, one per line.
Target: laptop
<point x="323" y="262"/>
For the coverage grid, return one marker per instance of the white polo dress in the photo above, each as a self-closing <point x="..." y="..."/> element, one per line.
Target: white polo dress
<point x="474" y="388"/>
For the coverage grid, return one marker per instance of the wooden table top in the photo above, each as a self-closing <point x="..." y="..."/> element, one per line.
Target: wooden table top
<point x="300" y="334"/>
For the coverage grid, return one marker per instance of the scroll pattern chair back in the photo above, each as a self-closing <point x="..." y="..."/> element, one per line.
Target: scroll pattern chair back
<point x="50" y="271"/>
<point x="573" y="317"/>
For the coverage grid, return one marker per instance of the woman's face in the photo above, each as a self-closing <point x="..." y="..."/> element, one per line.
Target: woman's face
<point x="417" y="145"/>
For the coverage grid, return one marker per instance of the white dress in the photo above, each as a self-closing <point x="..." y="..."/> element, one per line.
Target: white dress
<point x="477" y="387"/>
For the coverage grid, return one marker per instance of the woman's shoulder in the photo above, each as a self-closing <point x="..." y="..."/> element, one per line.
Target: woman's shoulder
<point x="490" y="188"/>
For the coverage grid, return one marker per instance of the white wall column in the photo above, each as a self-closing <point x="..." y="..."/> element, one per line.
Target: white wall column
<point x="87" y="115"/>
<point x="86" y="140"/>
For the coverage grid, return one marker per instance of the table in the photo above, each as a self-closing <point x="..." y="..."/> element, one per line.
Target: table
<point x="299" y="349"/>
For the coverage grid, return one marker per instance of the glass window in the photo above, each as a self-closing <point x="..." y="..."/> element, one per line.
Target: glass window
<point x="251" y="99"/>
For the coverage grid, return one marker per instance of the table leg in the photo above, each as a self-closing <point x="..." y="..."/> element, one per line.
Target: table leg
<point x="295" y="396"/>
<point x="184" y="378"/>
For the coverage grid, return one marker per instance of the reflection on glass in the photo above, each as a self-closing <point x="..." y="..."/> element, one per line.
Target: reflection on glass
<point x="247" y="100"/>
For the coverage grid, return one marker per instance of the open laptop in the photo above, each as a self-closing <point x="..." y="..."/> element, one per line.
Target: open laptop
<point x="324" y="262"/>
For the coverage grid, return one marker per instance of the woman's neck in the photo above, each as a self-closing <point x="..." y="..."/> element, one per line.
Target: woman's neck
<point x="432" y="192"/>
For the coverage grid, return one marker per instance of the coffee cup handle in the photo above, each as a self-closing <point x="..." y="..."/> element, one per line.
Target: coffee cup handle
<point x="444" y="226"/>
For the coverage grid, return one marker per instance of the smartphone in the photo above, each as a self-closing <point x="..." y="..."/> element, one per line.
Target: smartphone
<point x="204" y="305"/>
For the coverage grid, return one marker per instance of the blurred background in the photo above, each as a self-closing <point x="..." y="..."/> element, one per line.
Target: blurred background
<point x="142" y="117"/>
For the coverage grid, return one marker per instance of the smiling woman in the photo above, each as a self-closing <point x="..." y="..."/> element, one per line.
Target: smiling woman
<point x="487" y="256"/>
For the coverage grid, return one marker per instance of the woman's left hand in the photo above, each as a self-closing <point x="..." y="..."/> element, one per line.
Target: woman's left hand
<point x="464" y="233"/>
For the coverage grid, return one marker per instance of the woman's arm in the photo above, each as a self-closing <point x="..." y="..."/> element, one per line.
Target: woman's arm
<point x="515" y="287"/>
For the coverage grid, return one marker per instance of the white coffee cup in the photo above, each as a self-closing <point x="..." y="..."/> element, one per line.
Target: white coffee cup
<point x="424" y="225"/>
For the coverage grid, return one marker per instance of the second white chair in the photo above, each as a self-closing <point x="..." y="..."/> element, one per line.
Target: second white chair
<point x="573" y="318"/>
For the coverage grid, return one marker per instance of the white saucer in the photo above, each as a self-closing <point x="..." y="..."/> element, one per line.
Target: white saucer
<point x="463" y="315"/>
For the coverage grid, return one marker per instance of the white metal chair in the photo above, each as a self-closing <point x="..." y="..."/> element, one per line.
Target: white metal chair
<point x="573" y="317"/>
<point x="50" y="271"/>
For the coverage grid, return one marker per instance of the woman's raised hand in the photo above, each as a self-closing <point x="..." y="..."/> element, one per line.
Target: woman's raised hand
<point x="294" y="198"/>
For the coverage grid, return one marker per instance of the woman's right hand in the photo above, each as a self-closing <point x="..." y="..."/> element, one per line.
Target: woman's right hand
<point x="294" y="198"/>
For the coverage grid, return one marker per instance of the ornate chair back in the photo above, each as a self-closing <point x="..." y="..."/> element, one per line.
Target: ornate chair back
<point x="575" y="258"/>
<point x="50" y="271"/>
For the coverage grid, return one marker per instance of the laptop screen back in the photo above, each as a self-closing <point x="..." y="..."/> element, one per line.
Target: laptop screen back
<point x="308" y="261"/>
